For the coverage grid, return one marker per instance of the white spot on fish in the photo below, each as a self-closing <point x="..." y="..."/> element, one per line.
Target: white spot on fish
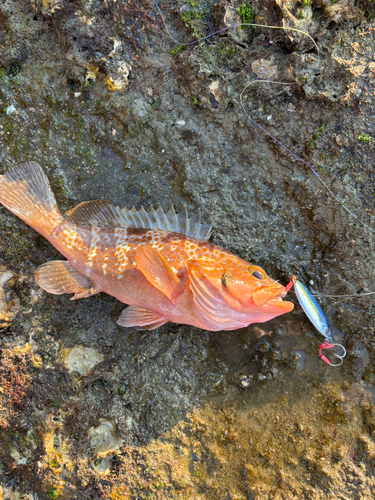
<point x="95" y="238"/>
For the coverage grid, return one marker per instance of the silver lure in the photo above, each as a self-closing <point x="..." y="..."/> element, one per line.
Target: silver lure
<point x="312" y="309"/>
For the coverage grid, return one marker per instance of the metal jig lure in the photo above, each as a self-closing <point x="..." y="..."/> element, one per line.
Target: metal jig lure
<point x="315" y="314"/>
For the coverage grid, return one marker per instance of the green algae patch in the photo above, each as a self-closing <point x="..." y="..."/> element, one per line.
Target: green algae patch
<point x="246" y="13"/>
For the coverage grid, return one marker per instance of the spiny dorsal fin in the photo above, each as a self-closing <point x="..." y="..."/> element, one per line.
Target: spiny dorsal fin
<point x="88" y="212"/>
<point x="170" y="221"/>
<point x="103" y="214"/>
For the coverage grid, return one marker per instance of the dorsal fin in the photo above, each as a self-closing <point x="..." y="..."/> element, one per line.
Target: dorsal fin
<point x="103" y="214"/>
<point x="170" y="221"/>
<point x="88" y="212"/>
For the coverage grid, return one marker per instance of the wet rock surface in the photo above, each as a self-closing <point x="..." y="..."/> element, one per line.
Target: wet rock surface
<point x="113" y="109"/>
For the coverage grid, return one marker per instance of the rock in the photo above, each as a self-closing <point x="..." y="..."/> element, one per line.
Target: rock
<point x="47" y="7"/>
<point x="117" y="75"/>
<point x="10" y="109"/>
<point x="339" y="10"/>
<point x="81" y="360"/>
<point x="265" y="69"/>
<point x="141" y="108"/>
<point x="231" y="17"/>
<point x="77" y="73"/>
<point x="9" y="302"/>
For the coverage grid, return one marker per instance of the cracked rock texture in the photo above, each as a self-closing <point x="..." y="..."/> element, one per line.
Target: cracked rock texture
<point x="96" y="92"/>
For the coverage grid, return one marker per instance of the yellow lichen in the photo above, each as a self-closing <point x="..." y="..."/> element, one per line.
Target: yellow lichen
<point x="56" y="448"/>
<point x="91" y="74"/>
<point x="119" y="492"/>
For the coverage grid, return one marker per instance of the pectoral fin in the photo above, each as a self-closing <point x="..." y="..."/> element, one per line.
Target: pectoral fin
<point x="59" y="277"/>
<point x="141" y="318"/>
<point x="157" y="271"/>
<point x="207" y="298"/>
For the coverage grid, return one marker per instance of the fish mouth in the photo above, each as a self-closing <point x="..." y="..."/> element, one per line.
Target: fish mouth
<point x="281" y="304"/>
<point x="272" y="296"/>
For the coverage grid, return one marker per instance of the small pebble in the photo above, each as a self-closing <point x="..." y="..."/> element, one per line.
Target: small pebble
<point x="276" y="355"/>
<point x="274" y="371"/>
<point x="298" y="360"/>
<point x="10" y="109"/>
<point x="279" y="330"/>
<point x="244" y="382"/>
<point x="262" y="346"/>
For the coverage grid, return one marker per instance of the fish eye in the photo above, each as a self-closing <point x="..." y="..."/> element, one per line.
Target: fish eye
<point x="257" y="272"/>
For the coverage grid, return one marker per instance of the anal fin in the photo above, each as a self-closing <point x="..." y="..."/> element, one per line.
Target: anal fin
<point x="141" y="318"/>
<point x="59" y="277"/>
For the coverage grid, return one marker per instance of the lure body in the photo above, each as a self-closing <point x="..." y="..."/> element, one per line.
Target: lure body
<point x="312" y="309"/>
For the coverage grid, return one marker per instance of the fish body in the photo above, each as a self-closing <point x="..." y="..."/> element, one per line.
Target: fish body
<point x="160" y="264"/>
<point x="312" y="309"/>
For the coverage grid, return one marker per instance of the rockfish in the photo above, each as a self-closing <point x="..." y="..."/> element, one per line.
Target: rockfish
<point x="160" y="264"/>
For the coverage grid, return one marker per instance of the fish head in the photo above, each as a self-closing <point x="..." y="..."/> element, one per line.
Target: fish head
<point x="248" y="289"/>
<point x="233" y="293"/>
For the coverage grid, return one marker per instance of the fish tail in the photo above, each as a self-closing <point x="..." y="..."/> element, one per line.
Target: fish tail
<point x="25" y="191"/>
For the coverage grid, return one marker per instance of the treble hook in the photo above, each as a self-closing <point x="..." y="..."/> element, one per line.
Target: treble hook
<point x="327" y="345"/>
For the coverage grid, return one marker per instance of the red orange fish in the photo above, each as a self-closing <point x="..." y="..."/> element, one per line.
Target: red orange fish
<point x="160" y="264"/>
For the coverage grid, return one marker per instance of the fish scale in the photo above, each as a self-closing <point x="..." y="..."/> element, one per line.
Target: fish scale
<point x="105" y="245"/>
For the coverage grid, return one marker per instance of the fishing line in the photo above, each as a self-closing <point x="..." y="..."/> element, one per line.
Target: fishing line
<point x="269" y="81"/>
<point x="228" y="28"/>
<point x="354" y="296"/>
<point x="268" y="133"/>
<point x="296" y="156"/>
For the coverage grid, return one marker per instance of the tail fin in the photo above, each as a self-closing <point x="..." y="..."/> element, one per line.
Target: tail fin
<point x="25" y="191"/>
